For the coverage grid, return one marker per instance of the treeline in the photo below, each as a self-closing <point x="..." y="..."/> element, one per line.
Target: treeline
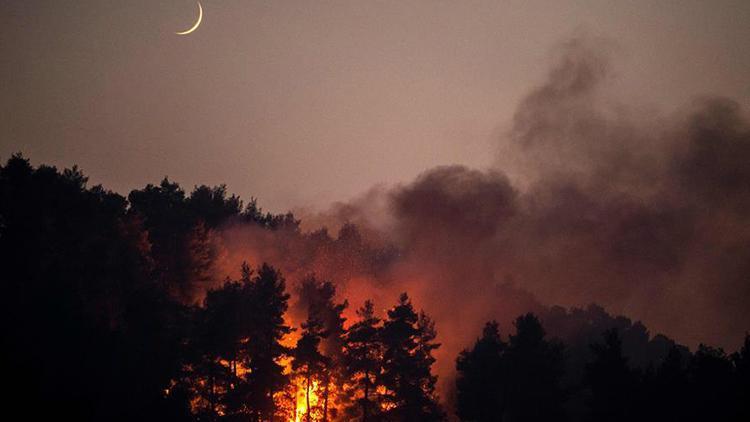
<point x="524" y="379"/>
<point x="112" y="312"/>
<point x="239" y="366"/>
<point x="101" y="323"/>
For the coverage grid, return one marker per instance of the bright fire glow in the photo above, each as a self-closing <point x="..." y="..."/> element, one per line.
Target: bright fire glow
<point x="316" y="412"/>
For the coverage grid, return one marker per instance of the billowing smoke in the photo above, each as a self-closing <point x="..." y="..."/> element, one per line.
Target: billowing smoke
<point x="590" y="202"/>
<point x="646" y="216"/>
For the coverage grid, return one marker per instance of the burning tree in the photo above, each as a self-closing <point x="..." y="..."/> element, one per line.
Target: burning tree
<point x="324" y="329"/>
<point x="240" y="365"/>
<point x="310" y="365"/>
<point x="321" y="300"/>
<point x="235" y="365"/>
<point x="362" y="357"/>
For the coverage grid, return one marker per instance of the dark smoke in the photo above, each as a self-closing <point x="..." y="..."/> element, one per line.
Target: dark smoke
<point x="590" y="203"/>
<point x="647" y="219"/>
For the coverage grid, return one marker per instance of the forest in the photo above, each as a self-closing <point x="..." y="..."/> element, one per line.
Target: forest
<point x="112" y="311"/>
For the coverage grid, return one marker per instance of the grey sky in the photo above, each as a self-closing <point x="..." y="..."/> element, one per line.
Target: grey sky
<point x="306" y="102"/>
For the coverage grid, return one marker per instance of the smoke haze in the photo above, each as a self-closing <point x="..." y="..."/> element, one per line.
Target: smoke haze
<point x="644" y="215"/>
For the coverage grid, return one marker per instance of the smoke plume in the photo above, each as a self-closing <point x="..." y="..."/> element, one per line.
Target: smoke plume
<point x="590" y="202"/>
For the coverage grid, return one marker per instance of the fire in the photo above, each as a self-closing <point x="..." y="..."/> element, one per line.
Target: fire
<point x="327" y="397"/>
<point x="299" y="391"/>
<point x="300" y="413"/>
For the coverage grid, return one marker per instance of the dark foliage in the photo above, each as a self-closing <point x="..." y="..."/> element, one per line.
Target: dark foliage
<point x="613" y="383"/>
<point x="520" y="380"/>
<point x="308" y="360"/>
<point x="480" y="377"/>
<point x="113" y="313"/>
<point x="86" y="330"/>
<point x="698" y="387"/>
<point x="322" y="309"/>
<point x="363" y="354"/>
<point x="517" y="381"/>
<point x="407" y="339"/>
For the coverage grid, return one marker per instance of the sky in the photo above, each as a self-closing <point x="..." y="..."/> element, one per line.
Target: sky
<point x="302" y="103"/>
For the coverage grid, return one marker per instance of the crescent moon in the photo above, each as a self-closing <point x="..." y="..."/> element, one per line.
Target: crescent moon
<point x="197" y="24"/>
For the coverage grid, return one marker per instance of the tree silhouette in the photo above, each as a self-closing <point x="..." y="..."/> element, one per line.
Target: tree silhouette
<point x="212" y="206"/>
<point x="663" y="390"/>
<point x="741" y="360"/>
<point x="611" y="380"/>
<point x="86" y="330"/>
<point x="167" y="222"/>
<point x="408" y="341"/>
<point x="234" y="370"/>
<point x="308" y="360"/>
<point x="223" y="323"/>
<point x="180" y="228"/>
<point x="363" y="354"/>
<point x="102" y="321"/>
<point x="535" y="367"/>
<point x="712" y="385"/>
<point x="265" y="376"/>
<point x="479" y="381"/>
<point x="320" y="297"/>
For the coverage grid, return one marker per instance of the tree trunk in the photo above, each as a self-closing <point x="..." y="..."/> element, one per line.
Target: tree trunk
<point x="325" y="399"/>
<point x="366" y="401"/>
<point x="307" y="397"/>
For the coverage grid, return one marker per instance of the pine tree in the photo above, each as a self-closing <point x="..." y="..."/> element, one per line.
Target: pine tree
<point x="229" y="325"/>
<point x="320" y="297"/>
<point x="407" y="360"/>
<point x="362" y="356"/>
<point x="479" y="379"/>
<point x="216" y="338"/>
<point x="611" y="380"/>
<point x="308" y="361"/>
<point x="534" y="367"/>
<point x="263" y="348"/>
<point x="200" y="255"/>
<point x="239" y="326"/>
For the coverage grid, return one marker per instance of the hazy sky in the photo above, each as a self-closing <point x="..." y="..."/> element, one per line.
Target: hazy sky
<point x="307" y="102"/>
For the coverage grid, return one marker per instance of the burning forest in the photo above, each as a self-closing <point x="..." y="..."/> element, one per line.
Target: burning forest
<point x="150" y="315"/>
<point x="589" y="262"/>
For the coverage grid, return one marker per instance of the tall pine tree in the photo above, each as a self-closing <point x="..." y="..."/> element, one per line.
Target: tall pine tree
<point x="263" y="348"/>
<point x="363" y="353"/>
<point x="320" y="297"/>
<point x="309" y="362"/>
<point x="408" y="341"/>
<point x="533" y="367"/>
<point x="479" y="385"/>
